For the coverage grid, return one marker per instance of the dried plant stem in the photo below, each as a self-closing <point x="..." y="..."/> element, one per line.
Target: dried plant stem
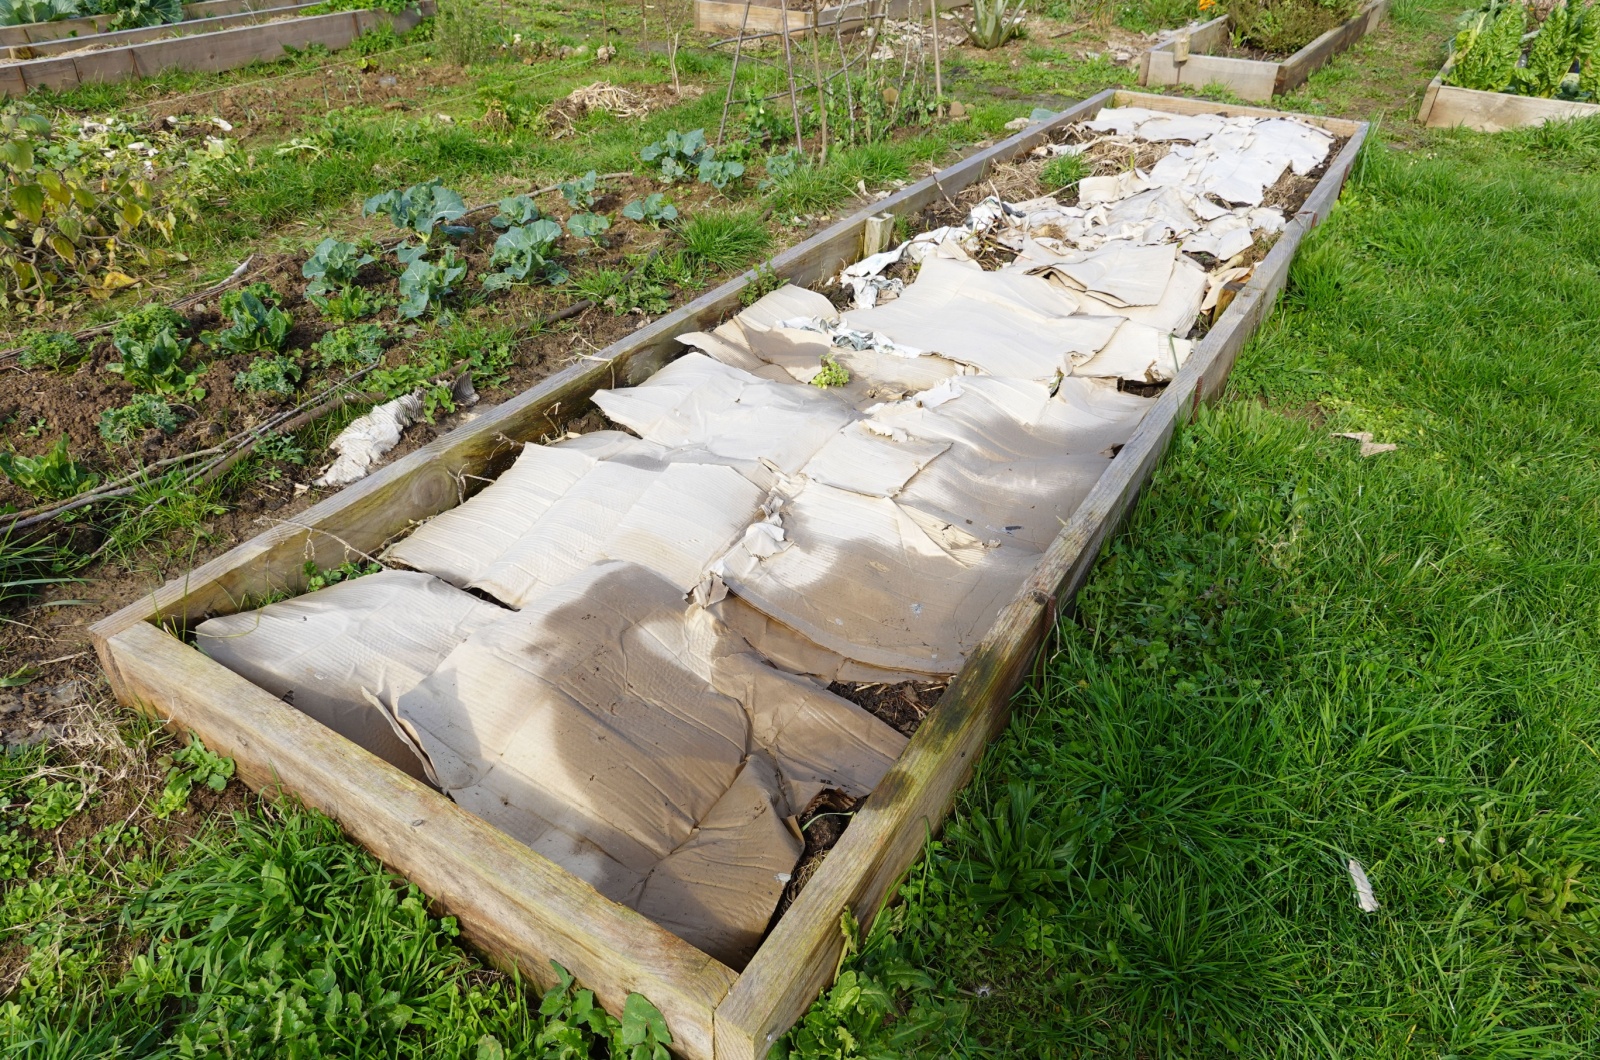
<point x="733" y="78"/>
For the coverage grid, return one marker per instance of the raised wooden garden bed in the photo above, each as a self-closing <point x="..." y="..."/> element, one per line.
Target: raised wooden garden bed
<point x="212" y="44"/>
<point x="731" y="17"/>
<point x="1450" y="107"/>
<point x="517" y="906"/>
<point x="1188" y="58"/>
<point x="34" y="32"/>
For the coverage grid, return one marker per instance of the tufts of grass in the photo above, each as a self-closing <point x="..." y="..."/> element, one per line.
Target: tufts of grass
<point x="1062" y="173"/>
<point x="724" y="239"/>
<point x="1293" y="657"/>
<point x="28" y="567"/>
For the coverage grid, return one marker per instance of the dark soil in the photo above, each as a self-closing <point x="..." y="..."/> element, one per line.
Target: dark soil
<point x="902" y="707"/>
<point x="822" y="823"/>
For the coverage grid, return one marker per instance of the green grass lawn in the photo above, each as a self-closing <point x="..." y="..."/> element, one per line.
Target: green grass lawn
<point x="1293" y="656"/>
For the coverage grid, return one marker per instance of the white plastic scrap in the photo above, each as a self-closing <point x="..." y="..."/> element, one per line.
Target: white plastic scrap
<point x="366" y="440"/>
<point x="1364" y="896"/>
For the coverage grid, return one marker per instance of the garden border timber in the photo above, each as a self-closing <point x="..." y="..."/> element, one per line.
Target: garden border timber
<point x="220" y="50"/>
<point x="165" y="31"/>
<point x="1452" y="107"/>
<point x="37" y="32"/>
<point x="523" y="910"/>
<point x="1185" y="59"/>
<point x="766" y="16"/>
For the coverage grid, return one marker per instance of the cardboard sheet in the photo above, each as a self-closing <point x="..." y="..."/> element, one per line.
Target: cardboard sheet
<point x="875" y="581"/>
<point x="640" y="743"/>
<point x="1140" y="353"/>
<point x="697" y="401"/>
<point x="328" y="653"/>
<point x="999" y="322"/>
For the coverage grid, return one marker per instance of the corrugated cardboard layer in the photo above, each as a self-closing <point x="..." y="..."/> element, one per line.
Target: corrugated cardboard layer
<point x="325" y="651"/>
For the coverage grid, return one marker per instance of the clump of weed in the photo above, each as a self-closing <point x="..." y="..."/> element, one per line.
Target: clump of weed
<point x="724" y="240"/>
<point x="1062" y="172"/>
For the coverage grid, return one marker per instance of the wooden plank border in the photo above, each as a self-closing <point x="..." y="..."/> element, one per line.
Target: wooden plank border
<point x="166" y="31"/>
<point x="523" y="910"/>
<point x="766" y="16"/>
<point x="221" y="50"/>
<point x="1185" y="58"/>
<point x="36" y="32"/>
<point x="1452" y="107"/>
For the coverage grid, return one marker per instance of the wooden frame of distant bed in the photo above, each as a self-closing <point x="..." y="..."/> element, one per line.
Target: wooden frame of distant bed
<point x="523" y="910"/>
<point x="221" y="42"/>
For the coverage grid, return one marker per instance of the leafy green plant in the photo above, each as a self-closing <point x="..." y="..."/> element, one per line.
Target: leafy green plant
<point x="52" y="476"/>
<point x="575" y="1024"/>
<point x="1569" y="36"/>
<point x="588" y="225"/>
<point x="1283" y="27"/>
<point x="515" y="210"/>
<point x="765" y="124"/>
<point x="653" y="209"/>
<point x="832" y="374"/>
<point x="255" y="326"/>
<point x="426" y="284"/>
<point x="1488" y="47"/>
<point x="51" y="803"/>
<point x="186" y="767"/>
<point x="350" y="304"/>
<point x="23" y="12"/>
<point x="678" y="154"/>
<point x="1063" y="172"/>
<point x="422" y="208"/>
<point x="146" y="322"/>
<point x="154" y="364"/>
<point x="525" y="255"/>
<point x="780" y="166"/>
<point x="278" y="374"/>
<point x="334" y="263"/>
<point x="119" y="426"/>
<point x="763" y="283"/>
<point x="351" y="347"/>
<point x="319" y="578"/>
<point x="53" y="351"/>
<point x="16" y="855"/>
<point x="580" y="191"/>
<point x="134" y="14"/>
<point x="719" y="172"/>
<point x="993" y="22"/>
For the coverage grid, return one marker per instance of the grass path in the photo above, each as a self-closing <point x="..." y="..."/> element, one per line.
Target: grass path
<point x="1294" y="656"/>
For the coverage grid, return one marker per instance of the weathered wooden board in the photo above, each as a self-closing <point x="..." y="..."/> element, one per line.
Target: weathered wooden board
<point x="168" y="31"/>
<point x="1451" y="107"/>
<point x="523" y="910"/>
<point x="766" y="16"/>
<point x="32" y="32"/>
<point x="1167" y="63"/>
<point x="222" y="50"/>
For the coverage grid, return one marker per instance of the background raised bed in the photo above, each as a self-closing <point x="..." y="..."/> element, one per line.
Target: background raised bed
<point x="1452" y="107"/>
<point x="1254" y="79"/>
<point x="220" y="50"/>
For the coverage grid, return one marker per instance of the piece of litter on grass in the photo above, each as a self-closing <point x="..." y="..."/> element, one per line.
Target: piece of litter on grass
<point x="1364" y="896"/>
<point x="1368" y="446"/>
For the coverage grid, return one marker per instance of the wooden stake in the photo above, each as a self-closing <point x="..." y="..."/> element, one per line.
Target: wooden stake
<point x="788" y="64"/>
<point x="822" y="95"/>
<point x="738" y="48"/>
<point x="938" y="73"/>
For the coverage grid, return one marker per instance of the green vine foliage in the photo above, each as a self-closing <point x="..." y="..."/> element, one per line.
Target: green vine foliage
<point x="84" y="212"/>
